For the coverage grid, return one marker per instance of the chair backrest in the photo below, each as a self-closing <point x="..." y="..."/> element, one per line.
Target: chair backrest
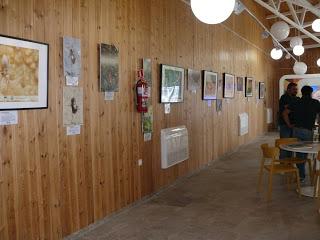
<point x="284" y="141"/>
<point x="270" y="152"/>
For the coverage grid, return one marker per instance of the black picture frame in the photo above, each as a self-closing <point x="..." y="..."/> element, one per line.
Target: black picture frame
<point x="228" y="93"/>
<point x="28" y="87"/>
<point x="262" y="90"/>
<point x="249" y="87"/>
<point x="205" y="95"/>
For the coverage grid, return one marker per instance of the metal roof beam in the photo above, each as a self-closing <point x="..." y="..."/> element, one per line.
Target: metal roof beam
<point x="288" y="20"/>
<point x="272" y="16"/>
<point x="293" y="12"/>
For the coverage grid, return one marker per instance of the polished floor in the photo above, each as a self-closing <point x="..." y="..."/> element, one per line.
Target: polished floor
<point x="218" y="203"/>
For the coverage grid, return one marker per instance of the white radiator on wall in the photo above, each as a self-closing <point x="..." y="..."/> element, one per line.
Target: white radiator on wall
<point x="174" y="146"/>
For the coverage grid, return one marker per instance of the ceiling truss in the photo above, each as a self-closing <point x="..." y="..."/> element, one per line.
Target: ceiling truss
<point x="295" y="17"/>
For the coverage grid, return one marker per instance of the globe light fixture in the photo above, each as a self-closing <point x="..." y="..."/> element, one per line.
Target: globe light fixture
<point x="276" y="53"/>
<point x="300" y="68"/>
<point x="298" y="50"/>
<point x="316" y="25"/>
<point x="295" y="41"/>
<point x="280" y="30"/>
<point x="318" y="62"/>
<point x="212" y="12"/>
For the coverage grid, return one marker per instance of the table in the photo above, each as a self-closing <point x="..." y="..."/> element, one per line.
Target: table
<point x="305" y="147"/>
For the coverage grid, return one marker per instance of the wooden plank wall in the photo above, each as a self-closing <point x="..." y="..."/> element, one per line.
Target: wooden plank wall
<point x="52" y="185"/>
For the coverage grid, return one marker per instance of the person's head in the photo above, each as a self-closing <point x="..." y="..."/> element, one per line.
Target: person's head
<point x="292" y="89"/>
<point x="306" y="91"/>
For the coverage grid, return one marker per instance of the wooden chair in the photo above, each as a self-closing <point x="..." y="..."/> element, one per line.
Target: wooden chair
<point x="293" y="160"/>
<point x="317" y="179"/>
<point x="274" y="167"/>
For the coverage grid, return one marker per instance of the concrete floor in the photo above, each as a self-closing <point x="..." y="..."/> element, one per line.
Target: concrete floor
<point x="218" y="203"/>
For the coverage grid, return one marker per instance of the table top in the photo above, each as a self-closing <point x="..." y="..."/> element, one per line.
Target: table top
<point x="302" y="147"/>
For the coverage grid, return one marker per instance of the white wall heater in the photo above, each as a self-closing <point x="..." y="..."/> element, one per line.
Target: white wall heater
<point x="174" y="146"/>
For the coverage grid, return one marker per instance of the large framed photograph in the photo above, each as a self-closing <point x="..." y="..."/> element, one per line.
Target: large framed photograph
<point x="261" y="90"/>
<point x="23" y="74"/>
<point x="228" y="85"/>
<point x="249" y="87"/>
<point x="172" y="84"/>
<point x="210" y="85"/>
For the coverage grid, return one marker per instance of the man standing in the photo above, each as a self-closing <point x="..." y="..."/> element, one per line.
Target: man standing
<point x="304" y="113"/>
<point x="287" y="99"/>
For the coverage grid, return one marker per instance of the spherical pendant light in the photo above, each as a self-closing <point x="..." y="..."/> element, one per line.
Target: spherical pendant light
<point x="300" y="68"/>
<point x="280" y="30"/>
<point x="276" y="54"/>
<point x="295" y="41"/>
<point x="316" y="25"/>
<point x="318" y="62"/>
<point x="298" y="50"/>
<point x="211" y="11"/>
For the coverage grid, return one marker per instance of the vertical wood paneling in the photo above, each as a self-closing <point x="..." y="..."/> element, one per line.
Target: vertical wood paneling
<point x="51" y="184"/>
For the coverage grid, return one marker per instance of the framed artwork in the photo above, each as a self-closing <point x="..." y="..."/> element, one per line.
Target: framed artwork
<point x="72" y="106"/>
<point x="194" y="79"/>
<point x="210" y="85"/>
<point x="147" y="121"/>
<point x="71" y="57"/>
<point x="261" y="90"/>
<point x="240" y="81"/>
<point x="23" y="74"/>
<point x="228" y="85"/>
<point x="219" y="105"/>
<point x="249" y="87"/>
<point x="172" y="84"/>
<point x="109" y="68"/>
<point x="146" y="65"/>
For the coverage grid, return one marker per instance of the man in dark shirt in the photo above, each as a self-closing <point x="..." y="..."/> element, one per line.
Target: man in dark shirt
<point x="287" y="99"/>
<point x="304" y="114"/>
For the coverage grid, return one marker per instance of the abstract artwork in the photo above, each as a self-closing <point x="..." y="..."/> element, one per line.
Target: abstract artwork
<point x="72" y="106"/>
<point x="71" y="57"/>
<point x="147" y="71"/>
<point x="109" y="68"/>
<point x="210" y="85"/>
<point x="194" y="79"/>
<point x="172" y="84"/>
<point x="228" y="85"/>
<point x="23" y="74"/>
<point x="240" y="81"/>
<point x="249" y="87"/>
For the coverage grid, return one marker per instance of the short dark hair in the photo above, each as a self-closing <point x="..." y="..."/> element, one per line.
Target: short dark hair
<point x="306" y="91"/>
<point x="291" y="85"/>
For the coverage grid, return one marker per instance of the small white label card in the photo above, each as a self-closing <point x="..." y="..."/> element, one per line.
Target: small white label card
<point x="209" y="103"/>
<point x="72" y="81"/>
<point x="147" y="137"/>
<point x="8" y="117"/>
<point x="73" y="130"/>
<point x="109" y="96"/>
<point x="167" y="108"/>
<point x="228" y="100"/>
<point x="194" y="91"/>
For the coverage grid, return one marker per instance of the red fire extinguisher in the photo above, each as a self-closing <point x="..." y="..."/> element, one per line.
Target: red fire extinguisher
<point x="142" y="92"/>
